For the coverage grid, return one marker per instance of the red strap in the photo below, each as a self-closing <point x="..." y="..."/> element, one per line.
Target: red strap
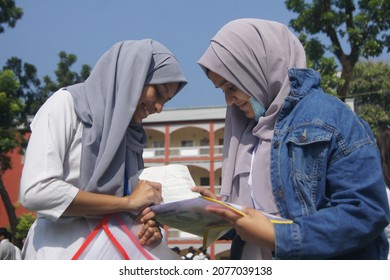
<point x="103" y="224"/>
<point x="134" y="240"/>
<point x="90" y="237"/>
<point x="116" y="243"/>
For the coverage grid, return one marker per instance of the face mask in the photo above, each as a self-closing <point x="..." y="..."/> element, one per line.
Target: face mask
<point x="258" y="108"/>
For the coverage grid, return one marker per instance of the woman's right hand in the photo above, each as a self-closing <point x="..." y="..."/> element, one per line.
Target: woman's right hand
<point x="204" y="192"/>
<point x="146" y="193"/>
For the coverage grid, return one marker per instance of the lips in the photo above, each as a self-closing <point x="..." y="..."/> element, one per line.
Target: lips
<point x="242" y="105"/>
<point x="145" y="111"/>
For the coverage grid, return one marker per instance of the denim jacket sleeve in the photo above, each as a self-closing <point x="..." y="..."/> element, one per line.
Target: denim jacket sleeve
<point x="327" y="178"/>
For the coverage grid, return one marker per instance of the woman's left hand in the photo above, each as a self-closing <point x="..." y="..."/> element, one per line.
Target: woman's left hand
<point x="203" y="191"/>
<point x="150" y="231"/>
<point x="254" y="227"/>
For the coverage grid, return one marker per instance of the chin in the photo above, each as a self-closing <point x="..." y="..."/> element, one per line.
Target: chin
<point x="249" y="115"/>
<point x="137" y="121"/>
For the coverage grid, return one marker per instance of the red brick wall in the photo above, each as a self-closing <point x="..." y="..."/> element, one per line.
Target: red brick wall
<point x="11" y="180"/>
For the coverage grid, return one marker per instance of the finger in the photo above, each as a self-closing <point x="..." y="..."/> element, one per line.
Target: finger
<point x="254" y="213"/>
<point x="146" y="226"/>
<point x="147" y="217"/>
<point x="155" y="185"/>
<point x="157" y="189"/>
<point x="150" y="235"/>
<point x="146" y="211"/>
<point x="156" y="237"/>
<point x="153" y="191"/>
<point x="140" y="183"/>
<point x="157" y="197"/>
<point x="203" y="191"/>
<point x="249" y="211"/>
<point x="226" y="214"/>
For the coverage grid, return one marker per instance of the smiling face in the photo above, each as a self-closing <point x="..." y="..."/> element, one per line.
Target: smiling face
<point x="233" y="95"/>
<point x="153" y="99"/>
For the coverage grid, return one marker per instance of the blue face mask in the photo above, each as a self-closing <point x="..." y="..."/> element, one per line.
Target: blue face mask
<point x="258" y="108"/>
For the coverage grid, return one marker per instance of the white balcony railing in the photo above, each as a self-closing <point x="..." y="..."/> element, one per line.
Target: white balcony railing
<point x="154" y="153"/>
<point x="195" y="151"/>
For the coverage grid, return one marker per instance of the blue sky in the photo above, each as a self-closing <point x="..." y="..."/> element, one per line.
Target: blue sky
<point x="87" y="28"/>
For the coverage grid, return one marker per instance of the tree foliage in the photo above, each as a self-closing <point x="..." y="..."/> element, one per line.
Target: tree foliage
<point x="28" y="91"/>
<point x="358" y="27"/>
<point x="10" y="109"/>
<point x="327" y="67"/>
<point x="24" y="223"/>
<point x="64" y="75"/>
<point x="9" y="14"/>
<point x="370" y="88"/>
<point x="21" y="95"/>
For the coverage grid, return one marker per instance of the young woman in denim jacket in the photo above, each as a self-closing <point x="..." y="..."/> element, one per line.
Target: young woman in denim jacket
<point x="294" y="151"/>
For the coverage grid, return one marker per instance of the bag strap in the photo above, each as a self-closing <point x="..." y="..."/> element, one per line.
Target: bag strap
<point x="90" y="237"/>
<point x="134" y="240"/>
<point x="103" y="225"/>
<point x="115" y="242"/>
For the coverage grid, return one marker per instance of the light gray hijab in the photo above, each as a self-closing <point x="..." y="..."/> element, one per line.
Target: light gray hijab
<point x="105" y="104"/>
<point x="254" y="55"/>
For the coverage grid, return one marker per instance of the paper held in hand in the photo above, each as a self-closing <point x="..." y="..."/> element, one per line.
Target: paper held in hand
<point x="184" y="209"/>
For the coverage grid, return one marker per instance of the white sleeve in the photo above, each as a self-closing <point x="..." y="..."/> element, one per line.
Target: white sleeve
<point x="43" y="187"/>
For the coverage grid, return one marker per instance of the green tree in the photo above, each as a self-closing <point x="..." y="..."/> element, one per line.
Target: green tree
<point x="24" y="223"/>
<point x="9" y="14"/>
<point x="29" y="92"/>
<point x="64" y="75"/>
<point x="370" y="88"/>
<point x="362" y="26"/>
<point x="326" y="66"/>
<point x="21" y="95"/>
<point x="11" y="109"/>
<point x="33" y="92"/>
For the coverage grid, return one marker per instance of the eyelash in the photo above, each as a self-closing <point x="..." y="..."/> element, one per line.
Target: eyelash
<point x="158" y="93"/>
<point x="231" y="88"/>
<point x="161" y="96"/>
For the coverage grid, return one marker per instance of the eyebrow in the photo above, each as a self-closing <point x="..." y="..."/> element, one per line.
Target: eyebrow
<point x="165" y="87"/>
<point x="221" y="84"/>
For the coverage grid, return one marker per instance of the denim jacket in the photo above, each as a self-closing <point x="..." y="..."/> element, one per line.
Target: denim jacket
<point x="326" y="176"/>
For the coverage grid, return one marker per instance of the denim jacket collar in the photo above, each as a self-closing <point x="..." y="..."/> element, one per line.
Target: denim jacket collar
<point x="302" y="81"/>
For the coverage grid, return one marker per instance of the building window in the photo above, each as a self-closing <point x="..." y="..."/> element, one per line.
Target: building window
<point x="204" y="142"/>
<point x="159" y="145"/>
<point x="205" y="181"/>
<point x="187" y="143"/>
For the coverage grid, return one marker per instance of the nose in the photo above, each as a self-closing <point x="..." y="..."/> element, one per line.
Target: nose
<point x="159" y="107"/>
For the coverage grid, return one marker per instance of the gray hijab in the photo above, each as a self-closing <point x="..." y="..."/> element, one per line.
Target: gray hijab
<point x="254" y="55"/>
<point x="105" y="104"/>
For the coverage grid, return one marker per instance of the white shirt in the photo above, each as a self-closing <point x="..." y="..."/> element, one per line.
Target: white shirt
<point x="18" y="253"/>
<point x="49" y="184"/>
<point x="7" y="250"/>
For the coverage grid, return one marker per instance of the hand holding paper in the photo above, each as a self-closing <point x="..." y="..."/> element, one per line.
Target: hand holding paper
<point x="253" y="226"/>
<point x="186" y="210"/>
